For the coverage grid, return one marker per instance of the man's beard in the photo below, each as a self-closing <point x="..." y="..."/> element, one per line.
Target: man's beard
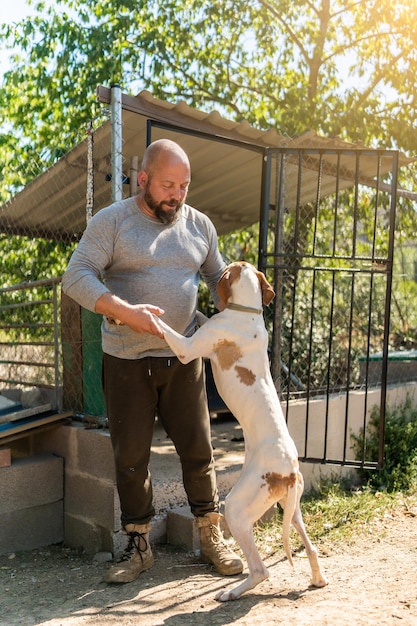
<point x="166" y="216"/>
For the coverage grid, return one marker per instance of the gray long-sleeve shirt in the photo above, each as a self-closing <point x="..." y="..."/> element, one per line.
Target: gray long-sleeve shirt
<point x="141" y="260"/>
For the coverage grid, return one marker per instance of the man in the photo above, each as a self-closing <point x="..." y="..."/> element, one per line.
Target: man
<point x="138" y="258"/>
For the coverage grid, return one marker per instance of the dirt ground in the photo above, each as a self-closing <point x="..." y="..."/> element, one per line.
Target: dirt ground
<point x="373" y="580"/>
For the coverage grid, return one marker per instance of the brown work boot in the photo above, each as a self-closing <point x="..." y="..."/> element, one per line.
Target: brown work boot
<point x="214" y="548"/>
<point x="136" y="558"/>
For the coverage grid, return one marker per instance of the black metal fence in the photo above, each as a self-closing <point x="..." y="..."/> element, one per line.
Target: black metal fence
<point x="30" y="340"/>
<point x="331" y="261"/>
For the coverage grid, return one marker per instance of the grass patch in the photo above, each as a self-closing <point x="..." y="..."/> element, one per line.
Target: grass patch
<point x="336" y="514"/>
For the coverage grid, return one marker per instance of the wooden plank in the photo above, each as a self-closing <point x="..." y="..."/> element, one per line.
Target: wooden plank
<point x="37" y="430"/>
<point x="5" y="457"/>
<point x="29" y="424"/>
<point x="22" y="413"/>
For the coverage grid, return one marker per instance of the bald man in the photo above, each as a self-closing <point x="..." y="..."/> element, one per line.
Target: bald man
<point x="141" y="257"/>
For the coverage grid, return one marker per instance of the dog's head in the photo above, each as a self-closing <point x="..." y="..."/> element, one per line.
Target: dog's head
<point x="233" y="273"/>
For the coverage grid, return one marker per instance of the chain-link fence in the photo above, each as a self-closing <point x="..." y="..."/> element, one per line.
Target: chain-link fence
<point x="327" y="298"/>
<point x="332" y="261"/>
<point x="39" y="228"/>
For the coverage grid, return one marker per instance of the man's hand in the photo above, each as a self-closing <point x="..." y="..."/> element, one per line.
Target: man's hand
<point x="139" y="317"/>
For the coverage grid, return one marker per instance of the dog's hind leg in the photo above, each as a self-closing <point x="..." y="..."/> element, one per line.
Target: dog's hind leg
<point x="257" y="570"/>
<point x="240" y="521"/>
<point x="317" y="578"/>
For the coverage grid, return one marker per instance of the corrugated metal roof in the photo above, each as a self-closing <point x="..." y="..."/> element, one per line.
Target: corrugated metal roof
<point x="226" y="160"/>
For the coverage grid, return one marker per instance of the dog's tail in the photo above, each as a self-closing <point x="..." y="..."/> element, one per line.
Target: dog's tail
<point x="290" y="505"/>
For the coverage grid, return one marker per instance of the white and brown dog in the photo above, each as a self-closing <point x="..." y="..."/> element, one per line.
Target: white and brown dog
<point x="236" y="342"/>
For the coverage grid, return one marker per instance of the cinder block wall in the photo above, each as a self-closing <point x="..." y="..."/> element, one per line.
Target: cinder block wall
<point x="91" y="505"/>
<point x="31" y="503"/>
<point x="91" y="510"/>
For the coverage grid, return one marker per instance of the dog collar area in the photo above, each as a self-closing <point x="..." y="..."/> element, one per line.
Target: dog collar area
<point x="244" y="309"/>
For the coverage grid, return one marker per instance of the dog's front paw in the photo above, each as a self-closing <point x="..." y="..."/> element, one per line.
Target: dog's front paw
<point x="319" y="581"/>
<point x="225" y="595"/>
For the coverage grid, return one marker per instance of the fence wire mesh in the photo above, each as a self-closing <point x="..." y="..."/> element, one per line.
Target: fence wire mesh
<point x="328" y="257"/>
<point x="39" y="228"/>
<point x="335" y="335"/>
<point x="333" y="261"/>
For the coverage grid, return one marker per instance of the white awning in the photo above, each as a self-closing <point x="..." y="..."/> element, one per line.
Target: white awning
<point x="226" y="168"/>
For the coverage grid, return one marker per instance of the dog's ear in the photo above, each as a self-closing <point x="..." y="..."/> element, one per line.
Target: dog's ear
<point x="268" y="294"/>
<point x="223" y="286"/>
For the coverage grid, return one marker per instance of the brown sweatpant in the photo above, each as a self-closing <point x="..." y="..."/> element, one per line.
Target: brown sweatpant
<point x="135" y="392"/>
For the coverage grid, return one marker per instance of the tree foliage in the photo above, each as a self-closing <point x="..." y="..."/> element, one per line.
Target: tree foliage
<point x="339" y="67"/>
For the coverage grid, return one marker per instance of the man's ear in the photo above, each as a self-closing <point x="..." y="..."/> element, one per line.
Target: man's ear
<point x="142" y="179"/>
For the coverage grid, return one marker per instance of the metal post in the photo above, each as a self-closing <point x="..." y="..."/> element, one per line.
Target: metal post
<point x="57" y="381"/>
<point x="388" y="294"/>
<point x="90" y="173"/>
<point x="264" y="211"/>
<point x="116" y="143"/>
<point x="278" y="286"/>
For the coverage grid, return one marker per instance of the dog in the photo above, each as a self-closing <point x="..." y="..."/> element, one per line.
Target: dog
<point x="236" y="342"/>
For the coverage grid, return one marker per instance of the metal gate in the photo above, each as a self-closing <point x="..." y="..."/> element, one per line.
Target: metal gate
<point x="326" y="238"/>
<point x="331" y="263"/>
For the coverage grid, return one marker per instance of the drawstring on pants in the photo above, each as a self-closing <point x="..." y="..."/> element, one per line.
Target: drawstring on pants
<point x="169" y="361"/>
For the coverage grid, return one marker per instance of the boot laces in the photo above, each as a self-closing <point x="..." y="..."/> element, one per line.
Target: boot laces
<point x="216" y="534"/>
<point x="218" y="540"/>
<point x="137" y="543"/>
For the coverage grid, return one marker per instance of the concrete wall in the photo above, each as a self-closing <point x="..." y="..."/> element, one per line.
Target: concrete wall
<point x="91" y="505"/>
<point x="315" y="425"/>
<point x="92" y="510"/>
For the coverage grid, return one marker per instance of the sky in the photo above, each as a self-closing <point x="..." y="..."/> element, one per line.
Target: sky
<point x="11" y="11"/>
<point x="14" y="11"/>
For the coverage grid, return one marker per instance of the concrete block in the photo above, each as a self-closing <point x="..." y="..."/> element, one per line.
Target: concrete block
<point x="30" y="482"/>
<point x="117" y="511"/>
<point x="95" y="454"/>
<point x="85" y="450"/>
<point x="182" y="529"/>
<point x="31" y="528"/>
<point x="158" y="532"/>
<point x="83" y="533"/>
<point x="61" y="441"/>
<point x="89" y="497"/>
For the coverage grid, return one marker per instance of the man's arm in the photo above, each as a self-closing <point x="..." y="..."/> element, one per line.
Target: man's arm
<point x="139" y="317"/>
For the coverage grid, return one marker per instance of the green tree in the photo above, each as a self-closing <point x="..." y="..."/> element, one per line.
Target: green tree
<point x="335" y="66"/>
<point x="339" y="67"/>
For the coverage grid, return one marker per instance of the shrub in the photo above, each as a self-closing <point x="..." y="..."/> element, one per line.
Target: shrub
<point x="399" y="472"/>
